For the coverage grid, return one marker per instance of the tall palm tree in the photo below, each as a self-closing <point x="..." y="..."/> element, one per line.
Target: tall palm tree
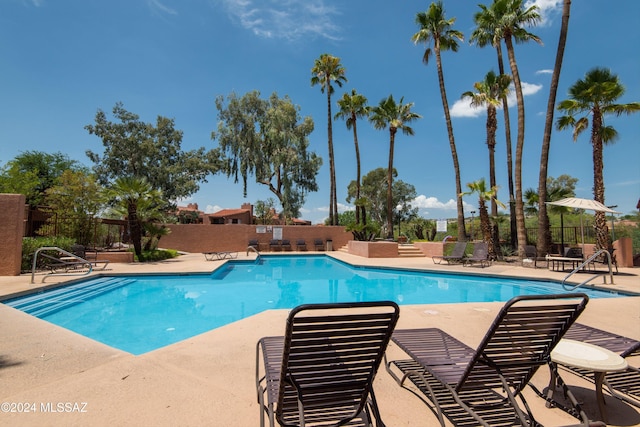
<point x="485" y="194"/>
<point x="544" y="231"/>
<point x="490" y="92"/>
<point x="436" y="29"/>
<point x="483" y="35"/>
<point x="352" y="107"/>
<point x="328" y="69"/>
<point x="395" y="116"/>
<point x="510" y="19"/>
<point x="596" y="95"/>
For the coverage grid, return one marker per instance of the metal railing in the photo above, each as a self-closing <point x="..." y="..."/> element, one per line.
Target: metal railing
<point x="252" y="248"/>
<point x="587" y="262"/>
<point x="79" y="262"/>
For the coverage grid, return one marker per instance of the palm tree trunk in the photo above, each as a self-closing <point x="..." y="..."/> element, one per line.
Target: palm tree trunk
<point x="544" y="232"/>
<point x="600" y="220"/>
<point x="462" y="232"/>
<point x="492" y="125"/>
<point x="135" y="230"/>
<point x="507" y="133"/>
<point x="392" y="135"/>
<point x="333" y="220"/>
<point x="520" y="225"/>
<point x="355" y="142"/>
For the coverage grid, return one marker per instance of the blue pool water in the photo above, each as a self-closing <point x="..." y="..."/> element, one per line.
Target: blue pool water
<point x="141" y="313"/>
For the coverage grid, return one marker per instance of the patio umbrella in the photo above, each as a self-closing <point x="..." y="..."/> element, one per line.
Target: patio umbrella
<point x="584" y="204"/>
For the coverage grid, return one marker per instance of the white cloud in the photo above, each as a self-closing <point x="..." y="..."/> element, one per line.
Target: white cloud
<point x="289" y="20"/>
<point x="156" y="5"/>
<point x="212" y="208"/>
<point x="547" y="9"/>
<point x="544" y="72"/>
<point x="424" y="202"/>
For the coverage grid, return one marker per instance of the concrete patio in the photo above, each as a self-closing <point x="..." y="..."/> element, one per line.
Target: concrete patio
<point x="210" y="379"/>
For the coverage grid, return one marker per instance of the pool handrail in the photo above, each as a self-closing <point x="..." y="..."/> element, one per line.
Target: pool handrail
<point x="253" y="248"/>
<point x="586" y="262"/>
<point x="62" y="251"/>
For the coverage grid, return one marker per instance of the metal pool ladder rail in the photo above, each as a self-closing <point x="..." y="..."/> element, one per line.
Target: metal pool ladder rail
<point x="80" y="261"/>
<point x="587" y="262"/>
<point x="252" y="248"/>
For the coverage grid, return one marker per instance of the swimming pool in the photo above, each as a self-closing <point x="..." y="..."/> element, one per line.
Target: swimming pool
<point x="140" y="313"/>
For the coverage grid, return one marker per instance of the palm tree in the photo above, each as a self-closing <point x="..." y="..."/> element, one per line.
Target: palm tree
<point x="397" y="117"/>
<point x="136" y="198"/>
<point x="434" y="27"/>
<point x="483" y="35"/>
<point x="490" y="92"/>
<point x="327" y="69"/>
<point x="596" y="95"/>
<point x="544" y="232"/>
<point x="479" y="187"/>
<point x="352" y="107"/>
<point x="510" y="19"/>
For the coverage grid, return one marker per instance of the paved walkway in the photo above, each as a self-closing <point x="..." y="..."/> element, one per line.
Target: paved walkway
<point x="209" y="379"/>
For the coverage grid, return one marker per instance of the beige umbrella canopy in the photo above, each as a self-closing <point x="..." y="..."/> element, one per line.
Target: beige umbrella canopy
<point x="585" y="204"/>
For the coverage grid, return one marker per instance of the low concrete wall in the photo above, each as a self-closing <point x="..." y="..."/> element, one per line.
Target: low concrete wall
<point x="624" y="251"/>
<point x="114" y="257"/>
<point x="11" y="231"/>
<point x="373" y="249"/>
<point x="430" y="248"/>
<point x="235" y="237"/>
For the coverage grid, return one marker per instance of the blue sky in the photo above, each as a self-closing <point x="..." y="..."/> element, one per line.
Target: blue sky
<point x="64" y="60"/>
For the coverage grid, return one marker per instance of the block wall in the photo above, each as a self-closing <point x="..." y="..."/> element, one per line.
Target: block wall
<point x="11" y="232"/>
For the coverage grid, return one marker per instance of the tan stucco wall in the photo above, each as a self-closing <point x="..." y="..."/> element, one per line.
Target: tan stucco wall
<point x="235" y="237"/>
<point x="11" y="231"/>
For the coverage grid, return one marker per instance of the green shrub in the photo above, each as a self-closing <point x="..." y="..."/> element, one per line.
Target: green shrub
<point x="157" y="255"/>
<point x="31" y="244"/>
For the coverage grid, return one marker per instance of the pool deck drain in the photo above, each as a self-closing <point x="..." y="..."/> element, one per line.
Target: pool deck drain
<point x="209" y="379"/>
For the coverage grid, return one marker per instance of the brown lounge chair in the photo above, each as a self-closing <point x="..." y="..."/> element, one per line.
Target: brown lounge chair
<point x="480" y="255"/>
<point x="624" y="385"/>
<point x="480" y="386"/>
<point x="457" y="255"/>
<point x="321" y="371"/>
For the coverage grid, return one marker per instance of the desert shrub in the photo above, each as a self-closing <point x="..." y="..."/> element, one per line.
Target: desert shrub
<point x="31" y="244"/>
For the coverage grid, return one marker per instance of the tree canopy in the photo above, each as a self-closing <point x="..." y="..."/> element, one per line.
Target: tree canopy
<point x="268" y="139"/>
<point x="133" y="148"/>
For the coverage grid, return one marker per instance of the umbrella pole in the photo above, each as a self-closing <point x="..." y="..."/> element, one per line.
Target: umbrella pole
<point x="582" y="231"/>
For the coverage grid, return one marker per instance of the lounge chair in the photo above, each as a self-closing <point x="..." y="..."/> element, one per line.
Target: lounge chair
<point x="318" y="244"/>
<point x="285" y="245"/>
<point x="457" y="255"/>
<point x="321" y="371"/>
<point x="301" y="245"/>
<point x="211" y="256"/>
<point x="480" y="386"/>
<point x="274" y="245"/>
<point x="480" y="255"/>
<point x="531" y="256"/>
<point x="71" y="263"/>
<point x="253" y="243"/>
<point x="624" y="385"/>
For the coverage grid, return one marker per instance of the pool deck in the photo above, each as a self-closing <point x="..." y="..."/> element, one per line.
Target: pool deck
<point x="210" y="379"/>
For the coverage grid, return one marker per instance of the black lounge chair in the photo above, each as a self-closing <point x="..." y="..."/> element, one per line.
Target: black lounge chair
<point x="301" y="245"/>
<point x="274" y="245"/>
<point x="321" y="372"/>
<point x="285" y="245"/>
<point x="480" y="255"/>
<point x="457" y="255"/>
<point x="480" y="386"/>
<point x="253" y="243"/>
<point x="318" y="244"/>
<point x="624" y="385"/>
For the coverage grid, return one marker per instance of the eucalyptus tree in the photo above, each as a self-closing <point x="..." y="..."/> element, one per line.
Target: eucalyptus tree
<point x="596" y="95"/>
<point x="353" y="107"/>
<point x="483" y="35"/>
<point x="544" y="231"/>
<point x="485" y="194"/>
<point x="395" y="116"/>
<point x="328" y="69"/>
<point x="436" y="28"/>
<point x="151" y="151"/>
<point x="268" y="139"/>
<point x="510" y="17"/>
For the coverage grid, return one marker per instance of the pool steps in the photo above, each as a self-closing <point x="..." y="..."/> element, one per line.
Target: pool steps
<point x="48" y="302"/>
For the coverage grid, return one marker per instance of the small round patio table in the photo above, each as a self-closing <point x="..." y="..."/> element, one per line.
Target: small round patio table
<point x="591" y="357"/>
